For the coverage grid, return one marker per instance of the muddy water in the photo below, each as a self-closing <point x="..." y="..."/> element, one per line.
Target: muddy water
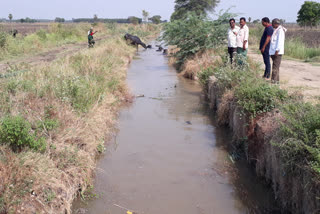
<point x="169" y="157"/>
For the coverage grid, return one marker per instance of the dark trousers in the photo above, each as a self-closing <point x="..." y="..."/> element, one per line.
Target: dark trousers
<point x="275" y="77"/>
<point x="231" y="52"/>
<point x="266" y="60"/>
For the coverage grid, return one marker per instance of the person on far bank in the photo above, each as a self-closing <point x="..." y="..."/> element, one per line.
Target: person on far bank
<point x="91" y="41"/>
<point x="265" y="45"/>
<point x="242" y="41"/>
<point x="232" y="38"/>
<point x="276" y="49"/>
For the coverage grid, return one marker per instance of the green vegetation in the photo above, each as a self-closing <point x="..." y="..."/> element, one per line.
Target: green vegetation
<point x="195" y="34"/>
<point x="299" y="136"/>
<point x="17" y="133"/>
<point x="155" y="19"/>
<point x="297" y="49"/>
<point x="309" y="14"/>
<point x="200" y="8"/>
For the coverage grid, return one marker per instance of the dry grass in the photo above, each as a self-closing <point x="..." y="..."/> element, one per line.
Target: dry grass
<point x="200" y="62"/>
<point x="224" y="107"/>
<point x="84" y="92"/>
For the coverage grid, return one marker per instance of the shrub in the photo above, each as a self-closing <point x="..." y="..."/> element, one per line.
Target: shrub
<point x="300" y="136"/>
<point x="17" y="133"/>
<point x="42" y="34"/>
<point x="257" y="96"/>
<point x="3" y="39"/>
<point x="194" y="34"/>
<point x="204" y="76"/>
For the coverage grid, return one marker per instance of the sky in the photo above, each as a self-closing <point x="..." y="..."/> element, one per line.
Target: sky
<point x="68" y="9"/>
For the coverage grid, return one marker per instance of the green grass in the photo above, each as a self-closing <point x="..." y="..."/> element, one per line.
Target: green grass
<point x="299" y="136"/>
<point x="297" y="49"/>
<point x="56" y="35"/>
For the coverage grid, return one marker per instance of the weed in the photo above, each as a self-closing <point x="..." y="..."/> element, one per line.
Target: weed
<point x="16" y="132"/>
<point x="299" y="136"/>
<point x="101" y="148"/>
<point x="3" y="39"/>
<point x="50" y="195"/>
<point x="256" y="96"/>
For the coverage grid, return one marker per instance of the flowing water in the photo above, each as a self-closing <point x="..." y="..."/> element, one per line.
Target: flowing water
<point x="169" y="157"/>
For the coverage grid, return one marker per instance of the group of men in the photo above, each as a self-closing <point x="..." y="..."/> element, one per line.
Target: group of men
<point x="271" y="44"/>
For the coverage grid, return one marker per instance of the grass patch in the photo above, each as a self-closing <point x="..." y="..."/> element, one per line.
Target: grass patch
<point x="17" y="133"/>
<point x="297" y="49"/>
<point x="299" y="136"/>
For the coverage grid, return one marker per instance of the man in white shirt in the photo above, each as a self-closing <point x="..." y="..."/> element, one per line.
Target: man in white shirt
<point x="276" y="49"/>
<point x="232" y="38"/>
<point x="242" y="40"/>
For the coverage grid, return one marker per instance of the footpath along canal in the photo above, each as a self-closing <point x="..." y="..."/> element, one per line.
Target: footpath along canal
<point x="169" y="156"/>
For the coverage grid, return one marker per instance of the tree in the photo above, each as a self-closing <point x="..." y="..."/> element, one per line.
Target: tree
<point x="10" y="17"/>
<point x="134" y="20"/>
<point x="145" y="15"/>
<point x="58" y="19"/>
<point x="256" y="21"/>
<point x="155" y="19"/>
<point x="95" y="18"/>
<point x="200" y="7"/>
<point x="309" y="14"/>
<point x="249" y="19"/>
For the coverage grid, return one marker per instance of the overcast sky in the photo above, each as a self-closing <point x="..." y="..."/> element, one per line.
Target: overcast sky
<point x="49" y="9"/>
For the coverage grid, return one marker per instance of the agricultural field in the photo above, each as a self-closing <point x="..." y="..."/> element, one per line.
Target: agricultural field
<point x="301" y="43"/>
<point x="24" y="28"/>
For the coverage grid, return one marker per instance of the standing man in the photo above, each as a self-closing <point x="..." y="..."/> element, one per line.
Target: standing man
<point x="91" y="41"/>
<point x="265" y="45"/>
<point x="276" y="49"/>
<point x="232" y="38"/>
<point x="242" y="40"/>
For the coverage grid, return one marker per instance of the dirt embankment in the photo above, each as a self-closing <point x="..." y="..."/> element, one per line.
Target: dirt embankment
<point x="297" y="193"/>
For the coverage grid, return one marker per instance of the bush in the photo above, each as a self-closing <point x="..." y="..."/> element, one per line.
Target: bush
<point x="42" y="34"/>
<point x="17" y="133"/>
<point x="3" y="39"/>
<point x="194" y="34"/>
<point x="204" y="76"/>
<point x="257" y="96"/>
<point x="300" y="136"/>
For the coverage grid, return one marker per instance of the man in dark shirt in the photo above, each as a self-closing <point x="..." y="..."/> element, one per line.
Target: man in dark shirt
<point x="265" y="45"/>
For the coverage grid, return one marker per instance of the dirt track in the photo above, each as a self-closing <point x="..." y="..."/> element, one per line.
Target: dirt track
<point x="297" y="76"/>
<point x="46" y="56"/>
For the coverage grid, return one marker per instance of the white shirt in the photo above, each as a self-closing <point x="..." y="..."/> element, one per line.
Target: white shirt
<point x="232" y="38"/>
<point x="277" y="41"/>
<point x="243" y="35"/>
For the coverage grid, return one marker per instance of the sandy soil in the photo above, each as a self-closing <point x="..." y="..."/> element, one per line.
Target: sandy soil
<point x="297" y="77"/>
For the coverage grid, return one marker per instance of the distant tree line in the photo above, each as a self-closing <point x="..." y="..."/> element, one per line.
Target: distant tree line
<point x="130" y="20"/>
<point x="90" y="20"/>
<point x="58" y="19"/>
<point x="27" y="20"/>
